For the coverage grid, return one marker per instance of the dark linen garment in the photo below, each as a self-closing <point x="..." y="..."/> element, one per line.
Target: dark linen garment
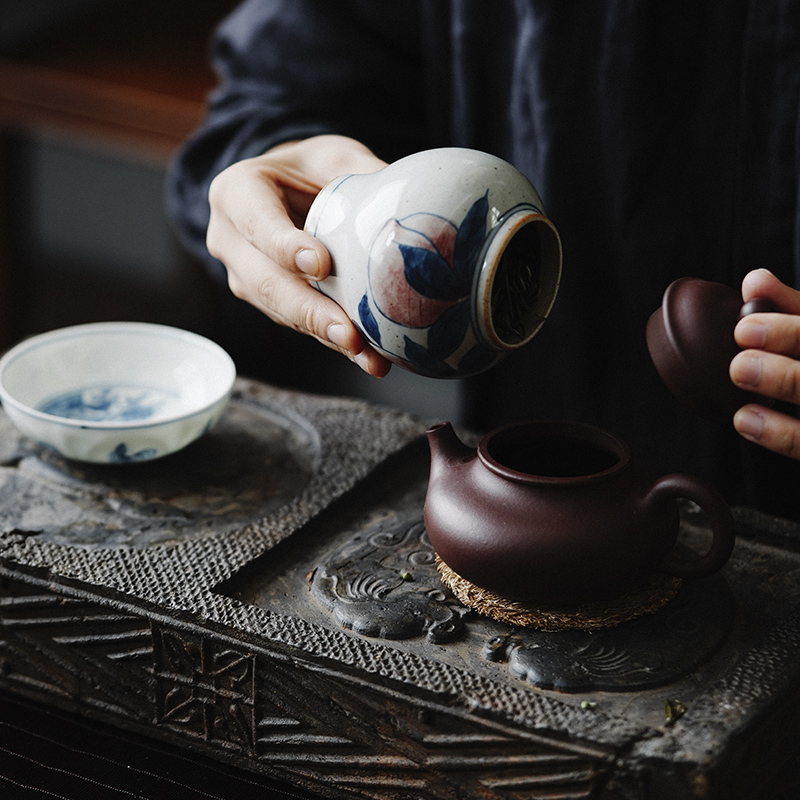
<point x="663" y="138"/>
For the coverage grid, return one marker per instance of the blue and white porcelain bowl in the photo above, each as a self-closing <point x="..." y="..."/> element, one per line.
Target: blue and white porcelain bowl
<point x="115" y="392"/>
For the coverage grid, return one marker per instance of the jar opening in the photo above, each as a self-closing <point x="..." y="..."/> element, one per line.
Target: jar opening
<point x="524" y="282"/>
<point x="517" y="286"/>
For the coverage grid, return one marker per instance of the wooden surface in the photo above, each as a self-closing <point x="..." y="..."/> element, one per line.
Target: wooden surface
<point x="298" y="630"/>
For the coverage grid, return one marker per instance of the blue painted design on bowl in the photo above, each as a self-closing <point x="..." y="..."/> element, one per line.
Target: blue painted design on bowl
<point x="120" y="454"/>
<point x="107" y="404"/>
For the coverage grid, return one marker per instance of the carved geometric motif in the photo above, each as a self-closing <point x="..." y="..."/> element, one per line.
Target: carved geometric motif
<point x="204" y="689"/>
<point x="391" y="746"/>
<point x="78" y="651"/>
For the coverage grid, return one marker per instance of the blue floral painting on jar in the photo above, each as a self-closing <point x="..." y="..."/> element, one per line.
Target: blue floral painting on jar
<point x="421" y="273"/>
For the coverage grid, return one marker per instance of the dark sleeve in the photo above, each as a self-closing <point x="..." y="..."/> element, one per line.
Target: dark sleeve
<point x="297" y="68"/>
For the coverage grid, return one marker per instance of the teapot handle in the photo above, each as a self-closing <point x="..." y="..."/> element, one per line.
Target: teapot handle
<point x="672" y="487"/>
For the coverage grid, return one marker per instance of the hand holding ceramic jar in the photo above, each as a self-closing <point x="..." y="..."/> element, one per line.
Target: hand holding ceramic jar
<point x="258" y="206"/>
<point x="255" y="229"/>
<point x="442" y="262"/>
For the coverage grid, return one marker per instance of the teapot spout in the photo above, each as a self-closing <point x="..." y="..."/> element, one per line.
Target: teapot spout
<point x="446" y="447"/>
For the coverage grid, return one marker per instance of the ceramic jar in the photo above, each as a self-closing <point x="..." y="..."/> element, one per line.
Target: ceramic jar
<point x="444" y="260"/>
<point x="559" y="514"/>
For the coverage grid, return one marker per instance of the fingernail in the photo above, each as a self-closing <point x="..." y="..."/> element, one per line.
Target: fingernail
<point x="747" y="370"/>
<point x="307" y="262"/>
<point x="751" y="333"/>
<point x="749" y="423"/>
<point x="362" y="359"/>
<point x="337" y="334"/>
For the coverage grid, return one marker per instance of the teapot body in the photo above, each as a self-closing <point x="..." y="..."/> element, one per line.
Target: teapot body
<point x="559" y="514"/>
<point x="444" y="260"/>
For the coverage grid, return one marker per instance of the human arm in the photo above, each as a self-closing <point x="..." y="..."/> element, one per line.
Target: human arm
<point x="768" y="364"/>
<point x="291" y="71"/>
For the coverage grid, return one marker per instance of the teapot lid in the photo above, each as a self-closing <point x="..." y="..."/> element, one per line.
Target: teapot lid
<point x="691" y="342"/>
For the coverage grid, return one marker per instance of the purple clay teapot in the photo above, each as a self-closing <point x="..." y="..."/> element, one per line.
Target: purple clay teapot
<point x="558" y="513"/>
<point x="691" y="342"/>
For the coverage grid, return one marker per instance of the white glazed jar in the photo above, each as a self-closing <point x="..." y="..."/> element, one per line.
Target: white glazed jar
<point x="444" y="260"/>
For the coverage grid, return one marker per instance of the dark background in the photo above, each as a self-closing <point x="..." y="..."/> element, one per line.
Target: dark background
<point x="95" y="97"/>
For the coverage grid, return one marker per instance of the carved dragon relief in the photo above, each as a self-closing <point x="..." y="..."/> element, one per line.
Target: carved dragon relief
<point x="383" y="583"/>
<point x="651" y="651"/>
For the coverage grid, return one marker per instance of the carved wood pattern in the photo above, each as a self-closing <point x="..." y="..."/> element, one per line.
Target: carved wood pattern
<point x="295" y="720"/>
<point x="79" y="651"/>
<point x="203" y="689"/>
<point x="383" y="583"/>
<point x="428" y="751"/>
<point x="215" y="642"/>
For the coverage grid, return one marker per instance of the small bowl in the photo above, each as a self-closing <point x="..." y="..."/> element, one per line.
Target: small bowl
<point x="115" y="392"/>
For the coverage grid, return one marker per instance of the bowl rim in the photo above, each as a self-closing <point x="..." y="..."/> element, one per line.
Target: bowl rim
<point x="98" y="328"/>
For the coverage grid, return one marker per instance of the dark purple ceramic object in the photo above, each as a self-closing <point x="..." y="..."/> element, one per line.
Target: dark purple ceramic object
<point x="690" y="338"/>
<point x="558" y="513"/>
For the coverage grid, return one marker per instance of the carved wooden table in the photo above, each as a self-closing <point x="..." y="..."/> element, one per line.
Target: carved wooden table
<point x="268" y="598"/>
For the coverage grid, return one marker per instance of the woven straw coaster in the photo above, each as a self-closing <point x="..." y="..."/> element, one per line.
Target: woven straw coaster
<point x="646" y="599"/>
